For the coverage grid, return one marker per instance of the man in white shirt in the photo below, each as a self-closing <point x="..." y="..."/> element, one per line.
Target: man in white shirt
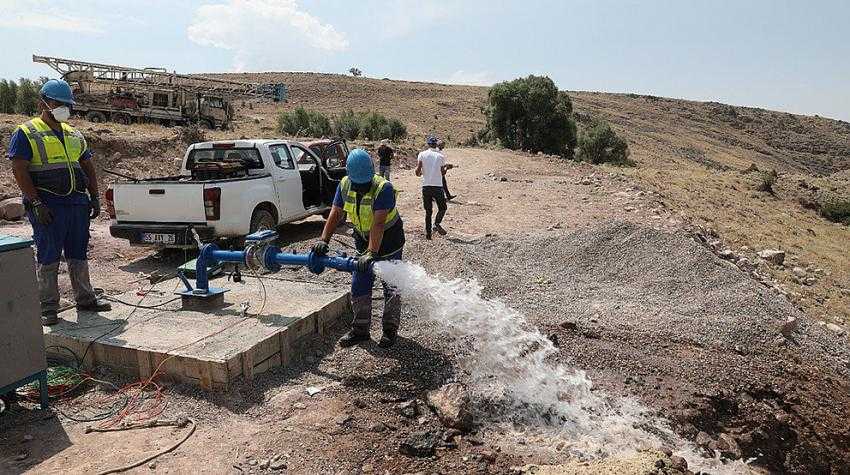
<point x="431" y="166"/>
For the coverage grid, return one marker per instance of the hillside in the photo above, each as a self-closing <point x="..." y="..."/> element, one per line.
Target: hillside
<point x="696" y="155"/>
<point x="637" y="292"/>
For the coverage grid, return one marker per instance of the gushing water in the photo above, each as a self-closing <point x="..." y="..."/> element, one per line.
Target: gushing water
<point x="513" y="377"/>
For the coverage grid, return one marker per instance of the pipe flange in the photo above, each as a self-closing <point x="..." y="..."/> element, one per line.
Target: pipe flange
<point x="254" y="256"/>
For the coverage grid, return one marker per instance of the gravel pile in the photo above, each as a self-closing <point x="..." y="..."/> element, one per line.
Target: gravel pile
<point x="658" y="316"/>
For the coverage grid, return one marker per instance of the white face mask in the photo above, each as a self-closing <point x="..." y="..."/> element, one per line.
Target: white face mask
<point x="61" y="113"/>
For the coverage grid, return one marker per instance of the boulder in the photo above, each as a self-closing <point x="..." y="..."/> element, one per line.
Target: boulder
<point x="12" y="209"/>
<point x="789" y="327"/>
<point x="728" y="447"/>
<point x="678" y="463"/>
<point x="419" y="444"/>
<point x="703" y="439"/>
<point x="773" y="256"/>
<point x="452" y="405"/>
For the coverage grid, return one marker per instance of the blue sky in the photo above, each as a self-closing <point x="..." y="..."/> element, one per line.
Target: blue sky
<point x="784" y="55"/>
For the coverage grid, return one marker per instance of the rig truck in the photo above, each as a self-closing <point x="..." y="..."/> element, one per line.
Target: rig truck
<point x="125" y="95"/>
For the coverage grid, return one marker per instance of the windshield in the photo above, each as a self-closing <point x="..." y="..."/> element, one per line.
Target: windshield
<point x="250" y="157"/>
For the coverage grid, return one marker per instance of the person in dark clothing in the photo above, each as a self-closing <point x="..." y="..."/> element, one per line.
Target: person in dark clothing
<point x="385" y="154"/>
<point x="441" y="144"/>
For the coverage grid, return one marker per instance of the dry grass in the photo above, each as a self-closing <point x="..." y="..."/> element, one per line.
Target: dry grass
<point x="694" y="154"/>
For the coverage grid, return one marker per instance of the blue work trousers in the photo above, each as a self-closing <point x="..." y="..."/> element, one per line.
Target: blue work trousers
<point x="361" y="301"/>
<point x="68" y="234"/>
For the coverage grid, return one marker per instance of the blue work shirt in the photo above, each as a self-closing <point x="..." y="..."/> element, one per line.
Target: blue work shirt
<point x="19" y="147"/>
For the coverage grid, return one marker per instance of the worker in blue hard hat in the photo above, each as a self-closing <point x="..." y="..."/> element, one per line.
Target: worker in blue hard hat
<point x="369" y="201"/>
<point x="53" y="167"/>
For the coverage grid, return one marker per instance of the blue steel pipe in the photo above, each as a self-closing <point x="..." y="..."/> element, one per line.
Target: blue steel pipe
<point x="272" y="259"/>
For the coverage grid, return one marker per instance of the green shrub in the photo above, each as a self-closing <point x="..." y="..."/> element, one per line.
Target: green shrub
<point x="8" y="93"/>
<point x="600" y="144"/>
<point x="373" y="125"/>
<point x="531" y="114"/>
<point x="395" y="130"/>
<point x="836" y="211"/>
<point x="768" y="180"/>
<point x="303" y="123"/>
<point x="347" y="125"/>
<point x="26" y="101"/>
<point x="369" y="125"/>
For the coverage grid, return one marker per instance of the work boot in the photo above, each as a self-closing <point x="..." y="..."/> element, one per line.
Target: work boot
<point x="450" y="197"/>
<point x="95" y="306"/>
<point x="440" y="230"/>
<point x="352" y="338"/>
<point x="387" y="339"/>
<point x="49" y="317"/>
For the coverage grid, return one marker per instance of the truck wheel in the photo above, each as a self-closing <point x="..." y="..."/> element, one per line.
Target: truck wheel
<point x="95" y="116"/>
<point x="262" y="219"/>
<point x="122" y="119"/>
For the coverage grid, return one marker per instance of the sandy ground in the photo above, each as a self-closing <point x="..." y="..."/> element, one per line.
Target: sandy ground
<point x="507" y="203"/>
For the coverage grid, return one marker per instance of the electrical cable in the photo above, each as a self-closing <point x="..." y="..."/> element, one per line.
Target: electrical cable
<point x="145" y="307"/>
<point x="154" y="456"/>
<point x="265" y="295"/>
<point x="118" y="324"/>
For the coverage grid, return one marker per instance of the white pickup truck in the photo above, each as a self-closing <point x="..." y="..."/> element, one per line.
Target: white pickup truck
<point x="226" y="189"/>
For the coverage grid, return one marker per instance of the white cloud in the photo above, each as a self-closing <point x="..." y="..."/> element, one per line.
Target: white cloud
<point x="29" y="15"/>
<point x="265" y="33"/>
<point x="404" y="17"/>
<point x="471" y="78"/>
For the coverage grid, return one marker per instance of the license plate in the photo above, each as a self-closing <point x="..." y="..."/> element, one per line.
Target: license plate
<point x="159" y="238"/>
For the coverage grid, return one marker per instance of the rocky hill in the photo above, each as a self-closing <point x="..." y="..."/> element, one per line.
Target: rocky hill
<point x="706" y="159"/>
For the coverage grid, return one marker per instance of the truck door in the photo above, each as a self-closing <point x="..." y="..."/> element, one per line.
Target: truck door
<point x="287" y="182"/>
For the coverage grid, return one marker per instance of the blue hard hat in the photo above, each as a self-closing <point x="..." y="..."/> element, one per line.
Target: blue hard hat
<point x="359" y="166"/>
<point x="432" y="141"/>
<point x="59" y="91"/>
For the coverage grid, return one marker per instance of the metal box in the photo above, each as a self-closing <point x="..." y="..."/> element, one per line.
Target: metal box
<point x="22" y="356"/>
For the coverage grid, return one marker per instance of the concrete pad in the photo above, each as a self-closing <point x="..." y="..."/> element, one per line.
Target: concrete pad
<point x="208" y="348"/>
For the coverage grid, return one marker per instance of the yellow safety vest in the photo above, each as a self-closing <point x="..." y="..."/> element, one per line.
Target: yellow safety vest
<point x="361" y="216"/>
<point x="55" y="167"/>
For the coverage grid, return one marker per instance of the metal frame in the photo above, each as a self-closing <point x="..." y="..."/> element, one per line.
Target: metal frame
<point x="156" y="77"/>
<point x="41" y="377"/>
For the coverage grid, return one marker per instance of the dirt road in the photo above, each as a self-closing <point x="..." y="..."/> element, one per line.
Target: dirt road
<point x="592" y="260"/>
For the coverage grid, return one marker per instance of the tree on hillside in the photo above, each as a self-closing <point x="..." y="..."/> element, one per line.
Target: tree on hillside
<point x="600" y="144"/>
<point x="531" y="114"/>
<point x="7" y="98"/>
<point x="355" y="72"/>
<point x="27" y="97"/>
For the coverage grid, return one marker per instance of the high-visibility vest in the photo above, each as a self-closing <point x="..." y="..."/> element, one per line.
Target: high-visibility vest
<point x="361" y="216"/>
<point x="55" y="167"/>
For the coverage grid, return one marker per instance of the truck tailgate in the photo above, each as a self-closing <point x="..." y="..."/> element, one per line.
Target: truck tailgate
<point x="160" y="202"/>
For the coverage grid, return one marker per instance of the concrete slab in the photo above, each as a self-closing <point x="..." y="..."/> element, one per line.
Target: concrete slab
<point x="207" y="348"/>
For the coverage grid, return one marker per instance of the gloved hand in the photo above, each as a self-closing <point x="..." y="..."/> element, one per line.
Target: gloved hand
<point x="42" y="213"/>
<point x="94" y="208"/>
<point x="364" y="262"/>
<point x="320" y="248"/>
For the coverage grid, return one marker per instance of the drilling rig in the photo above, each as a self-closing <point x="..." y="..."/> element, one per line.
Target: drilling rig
<point x="127" y="95"/>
